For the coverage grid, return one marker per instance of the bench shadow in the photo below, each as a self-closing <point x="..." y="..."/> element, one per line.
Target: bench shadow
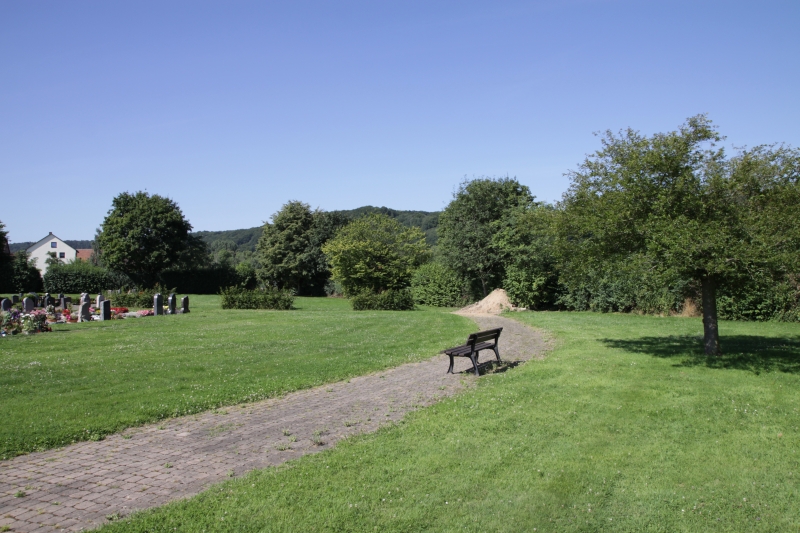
<point x="739" y="352"/>
<point x="491" y="367"/>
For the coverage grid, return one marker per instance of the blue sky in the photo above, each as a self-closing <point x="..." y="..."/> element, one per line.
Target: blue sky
<point x="233" y="108"/>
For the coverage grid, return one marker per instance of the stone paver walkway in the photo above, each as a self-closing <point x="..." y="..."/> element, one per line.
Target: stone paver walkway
<point x="82" y="485"/>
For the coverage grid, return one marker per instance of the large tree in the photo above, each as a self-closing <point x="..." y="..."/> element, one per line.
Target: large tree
<point x="676" y="207"/>
<point x="468" y="225"/>
<point x="290" y="248"/>
<point x="6" y="268"/>
<point x="143" y="235"/>
<point x="375" y="253"/>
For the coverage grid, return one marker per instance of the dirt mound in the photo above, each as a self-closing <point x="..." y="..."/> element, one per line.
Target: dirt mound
<point x="494" y="304"/>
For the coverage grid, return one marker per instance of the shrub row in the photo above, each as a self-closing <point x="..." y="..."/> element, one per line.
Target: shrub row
<point x="269" y="298"/>
<point x="390" y="300"/>
<point x="81" y="276"/>
<point x="208" y="280"/>
<point x="435" y="284"/>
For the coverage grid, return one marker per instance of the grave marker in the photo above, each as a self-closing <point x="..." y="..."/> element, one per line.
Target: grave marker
<point x="158" y="304"/>
<point x="15" y="299"/>
<point x="5" y="304"/>
<point x="185" y="304"/>
<point x="83" y="313"/>
<point x="105" y="310"/>
<point x="28" y="305"/>
<point x="171" y="304"/>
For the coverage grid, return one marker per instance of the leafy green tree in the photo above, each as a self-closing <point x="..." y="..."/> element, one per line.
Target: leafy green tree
<point x="468" y="225"/>
<point x="290" y="248"/>
<point x="675" y="207"/>
<point x="143" y="235"/>
<point x="25" y="276"/>
<point x="524" y="239"/>
<point x="375" y="253"/>
<point x="6" y="267"/>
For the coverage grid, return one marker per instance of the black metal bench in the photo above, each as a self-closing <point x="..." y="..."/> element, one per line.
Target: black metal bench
<point x="483" y="340"/>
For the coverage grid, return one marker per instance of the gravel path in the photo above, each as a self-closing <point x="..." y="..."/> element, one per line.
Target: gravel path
<point x="79" y="486"/>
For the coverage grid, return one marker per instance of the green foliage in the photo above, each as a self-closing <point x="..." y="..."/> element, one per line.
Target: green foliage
<point x="81" y="276"/>
<point x="427" y="221"/>
<point x="247" y="276"/>
<point x="290" y="249"/>
<point x="388" y="300"/>
<point x="435" y="284"/>
<point x="468" y="224"/>
<point x="266" y="298"/>
<point x="142" y="298"/>
<point x="143" y="235"/>
<point x="375" y="253"/>
<point x="6" y="262"/>
<point x="25" y="276"/>
<point x="244" y="240"/>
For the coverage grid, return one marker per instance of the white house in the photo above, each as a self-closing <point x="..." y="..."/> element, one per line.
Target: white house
<point x="40" y="251"/>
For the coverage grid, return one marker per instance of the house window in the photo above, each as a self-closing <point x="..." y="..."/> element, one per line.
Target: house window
<point x="62" y="255"/>
<point x="53" y="244"/>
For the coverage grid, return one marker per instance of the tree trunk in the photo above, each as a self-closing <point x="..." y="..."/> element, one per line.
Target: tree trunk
<point x="710" y="329"/>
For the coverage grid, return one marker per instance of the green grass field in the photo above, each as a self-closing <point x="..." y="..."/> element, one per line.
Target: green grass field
<point x="84" y="381"/>
<point x="625" y="426"/>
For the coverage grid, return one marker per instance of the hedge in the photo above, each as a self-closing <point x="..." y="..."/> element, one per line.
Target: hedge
<point x="80" y="276"/>
<point x="390" y="300"/>
<point x="239" y="298"/>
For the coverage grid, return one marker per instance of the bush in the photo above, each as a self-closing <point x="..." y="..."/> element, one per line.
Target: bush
<point x="389" y="300"/>
<point x="238" y="298"/>
<point x="435" y="284"/>
<point x="139" y="298"/>
<point x="81" y="276"/>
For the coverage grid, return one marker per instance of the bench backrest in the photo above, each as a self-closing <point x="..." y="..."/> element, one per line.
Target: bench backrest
<point x="483" y="336"/>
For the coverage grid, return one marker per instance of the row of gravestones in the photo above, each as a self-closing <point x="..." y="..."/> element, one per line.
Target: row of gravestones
<point x="84" y="315"/>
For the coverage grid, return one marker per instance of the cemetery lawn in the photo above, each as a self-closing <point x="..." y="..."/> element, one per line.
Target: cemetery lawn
<point x="85" y="381"/>
<point x="625" y="426"/>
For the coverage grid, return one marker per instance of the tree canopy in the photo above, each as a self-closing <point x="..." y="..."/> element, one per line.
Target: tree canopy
<point x="375" y="253"/>
<point x="468" y="224"/>
<point x="143" y="235"/>
<point x="674" y="207"/>
<point x="290" y="248"/>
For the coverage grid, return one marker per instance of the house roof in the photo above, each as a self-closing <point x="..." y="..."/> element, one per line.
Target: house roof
<point x="50" y="237"/>
<point x="84" y="253"/>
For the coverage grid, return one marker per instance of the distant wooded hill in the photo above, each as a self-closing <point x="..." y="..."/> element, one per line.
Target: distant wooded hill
<point x="246" y="239"/>
<point x="17" y="246"/>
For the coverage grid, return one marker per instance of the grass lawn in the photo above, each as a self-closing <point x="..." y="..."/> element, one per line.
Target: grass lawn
<point x="625" y="426"/>
<point x="84" y="381"/>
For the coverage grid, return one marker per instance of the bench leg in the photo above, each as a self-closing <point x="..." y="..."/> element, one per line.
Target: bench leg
<point x="497" y="353"/>
<point x="474" y="359"/>
<point x="450" y="370"/>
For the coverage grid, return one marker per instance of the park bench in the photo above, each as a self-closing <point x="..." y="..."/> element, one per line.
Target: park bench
<point x="483" y="340"/>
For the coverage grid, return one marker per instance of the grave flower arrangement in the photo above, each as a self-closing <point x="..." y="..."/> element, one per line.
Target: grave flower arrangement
<point x="35" y="322"/>
<point x="119" y="310"/>
<point x="146" y="312"/>
<point x="10" y="322"/>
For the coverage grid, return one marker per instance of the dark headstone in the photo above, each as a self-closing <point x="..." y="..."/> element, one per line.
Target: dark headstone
<point x="105" y="310"/>
<point x="171" y="301"/>
<point x="62" y="302"/>
<point x="185" y="304"/>
<point x="48" y="300"/>
<point x="5" y="304"/>
<point x="158" y="304"/>
<point x="83" y="313"/>
<point x="28" y="305"/>
<point x="84" y="298"/>
<point x="60" y="295"/>
<point x="15" y="299"/>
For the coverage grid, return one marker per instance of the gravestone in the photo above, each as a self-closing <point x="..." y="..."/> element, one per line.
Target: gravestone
<point x="83" y="313"/>
<point x="15" y="299"/>
<point x="60" y="295"/>
<point x="84" y="298"/>
<point x="185" y="304"/>
<point x="28" y="305"/>
<point x="158" y="304"/>
<point x="5" y="304"/>
<point x="171" y="301"/>
<point x="46" y="300"/>
<point x="100" y="299"/>
<point x="105" y="310"/>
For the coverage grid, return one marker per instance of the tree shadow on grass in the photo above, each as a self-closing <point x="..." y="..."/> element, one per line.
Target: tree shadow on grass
<point x="740" y="352"/>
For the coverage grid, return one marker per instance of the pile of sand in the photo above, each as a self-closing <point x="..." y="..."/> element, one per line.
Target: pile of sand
<point x="494" y="304"/>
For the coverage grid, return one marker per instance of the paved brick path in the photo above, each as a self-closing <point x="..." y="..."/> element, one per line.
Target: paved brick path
<point x="77" y="487"/>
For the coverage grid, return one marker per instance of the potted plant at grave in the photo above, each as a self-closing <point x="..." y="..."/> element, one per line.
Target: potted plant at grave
<point x="67" y="315"/>
<point x="51" y="314"/>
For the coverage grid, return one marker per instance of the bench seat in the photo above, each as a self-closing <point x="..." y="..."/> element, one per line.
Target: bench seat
<point x="483" y="340"/>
